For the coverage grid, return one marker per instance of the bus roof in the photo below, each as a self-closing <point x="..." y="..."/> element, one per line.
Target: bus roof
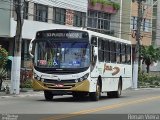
<point x="108" y="37"/>
<point x="92" y="33"/>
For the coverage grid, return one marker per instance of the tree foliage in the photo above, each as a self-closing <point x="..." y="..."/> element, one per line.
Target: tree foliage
<point x="3" y="75"/>
<point x="3" y="61"/>
<point x="3" y="57"/>
<point x="149" y="55"/>
<point x="115" y="5"/>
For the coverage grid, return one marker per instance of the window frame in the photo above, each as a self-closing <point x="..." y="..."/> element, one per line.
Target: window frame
<point x="59" y="16"/>
<point x="38" y="10"/>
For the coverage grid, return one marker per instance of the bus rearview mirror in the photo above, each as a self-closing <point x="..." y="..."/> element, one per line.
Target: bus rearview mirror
<point x="30" y="48"/>
<point x="95" y="52"/>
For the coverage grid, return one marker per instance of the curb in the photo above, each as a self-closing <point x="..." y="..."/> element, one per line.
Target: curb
<point x="22" y="94"/>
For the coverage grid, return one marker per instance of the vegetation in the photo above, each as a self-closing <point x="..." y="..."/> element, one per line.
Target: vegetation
<point x="3" y="75"/>
<point x="150" y="55"/>
<point x="26" y="84"/>
<point x="116" y="6"/>
<point x="146" y="80"/>
<point x="3" y="61"/>
<point x="3" y="57"/>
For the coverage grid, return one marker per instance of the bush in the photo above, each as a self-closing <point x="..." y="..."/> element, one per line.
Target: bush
<point x="146" y="80"/>
<point x="3" y="57"/>
<point x="3" y="75"/>
<point x="26" y="84"/>
<point x="115" y="5"/>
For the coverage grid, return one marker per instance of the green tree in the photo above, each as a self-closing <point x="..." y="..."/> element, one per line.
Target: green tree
<point x="3" y="61"/>
<point x="3" y="57"/>
<point x="149" y="55"/>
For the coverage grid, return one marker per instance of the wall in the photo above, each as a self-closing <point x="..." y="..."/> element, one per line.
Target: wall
<point x="77" y="5"/>
<point x="126" y="10"/>
<point x="157" y="36"/>
<point x="30" y="27"/>
<point x="147" y="13"/>
<point x="4" y="18"/>
<point x="157" y="42"/>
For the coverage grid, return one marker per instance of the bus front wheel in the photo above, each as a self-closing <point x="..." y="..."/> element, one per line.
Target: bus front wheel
<point x="95" y="95"/>
<point x="48" y="95"/>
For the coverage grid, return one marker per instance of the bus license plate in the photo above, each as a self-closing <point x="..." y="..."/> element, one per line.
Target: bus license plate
<point x="59" y="85"/>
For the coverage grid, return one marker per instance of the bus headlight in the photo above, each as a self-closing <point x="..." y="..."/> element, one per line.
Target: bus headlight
<point x="83" y="77"/>
<point x="38" y="78"/>
<point x="42" y="79"/>
<point x="35" y="75"/>
<point x="76" y="80"/>
<point x="86" y="76"/>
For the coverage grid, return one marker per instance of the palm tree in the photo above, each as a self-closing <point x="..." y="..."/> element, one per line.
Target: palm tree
<point x="150" y="55"/>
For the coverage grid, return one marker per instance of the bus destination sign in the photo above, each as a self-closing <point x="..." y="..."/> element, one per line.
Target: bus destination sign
<point x="65" y="35"/>
<point x="69" y="35"/>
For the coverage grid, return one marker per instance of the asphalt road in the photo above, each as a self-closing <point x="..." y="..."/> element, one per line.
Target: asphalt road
<point x="144" y="102"/>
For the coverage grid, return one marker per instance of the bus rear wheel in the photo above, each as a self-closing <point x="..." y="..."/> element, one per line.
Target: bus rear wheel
<point x="116" y="94"/>
<point x="48" y="95"/>
<point x="94" y="96"/>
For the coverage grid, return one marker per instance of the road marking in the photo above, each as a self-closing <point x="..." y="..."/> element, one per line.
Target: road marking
<point x="125" y="103"/>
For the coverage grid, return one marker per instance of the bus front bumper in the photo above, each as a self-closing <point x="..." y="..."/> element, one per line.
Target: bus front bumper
<point x="79" y="86"/>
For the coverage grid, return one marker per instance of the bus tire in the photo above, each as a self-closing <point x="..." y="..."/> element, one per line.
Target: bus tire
<point x="116" y="94"/>
<point x="48" y="95"/>
<point x="94" y="96"/>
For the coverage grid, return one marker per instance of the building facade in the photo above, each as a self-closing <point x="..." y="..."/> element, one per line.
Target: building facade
<point x="156" y="32"/>
<point x="39" y="15"/>
<point x="103" y="18"/>
<point x="146" y="25"/>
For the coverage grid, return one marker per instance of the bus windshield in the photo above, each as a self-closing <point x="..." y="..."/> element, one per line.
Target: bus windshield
<point x="51" y="54"/>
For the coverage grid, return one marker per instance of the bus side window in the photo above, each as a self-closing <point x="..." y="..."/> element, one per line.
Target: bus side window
<point x="123" y="52"/>
<point x="118" y="52"/>
<point x="107" y="51"/>
<point x="100" y="50"/>
<point x="128" y="54"/>
<point x="113" y="52"/>
<point x="94" y="41"/>
<point x="93" y="57"/>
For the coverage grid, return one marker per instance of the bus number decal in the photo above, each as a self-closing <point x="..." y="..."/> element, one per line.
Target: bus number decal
<point x="111" y="68"/>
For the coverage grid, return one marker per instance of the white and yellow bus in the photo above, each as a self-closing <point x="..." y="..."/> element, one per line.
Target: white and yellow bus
<point x="80" y="63"/>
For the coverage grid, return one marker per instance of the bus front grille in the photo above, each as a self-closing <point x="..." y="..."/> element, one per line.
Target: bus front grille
<point x="59" y="86"/>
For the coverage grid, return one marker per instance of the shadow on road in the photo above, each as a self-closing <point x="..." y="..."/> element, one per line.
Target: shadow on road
<point x="83" y="99"/>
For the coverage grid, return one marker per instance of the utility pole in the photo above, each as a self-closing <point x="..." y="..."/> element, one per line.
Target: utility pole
<point x="138" y="47"/>
<point x="16" y="62"/>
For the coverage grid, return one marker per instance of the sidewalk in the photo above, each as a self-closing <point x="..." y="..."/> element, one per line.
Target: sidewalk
<point x="23" y="93"/>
